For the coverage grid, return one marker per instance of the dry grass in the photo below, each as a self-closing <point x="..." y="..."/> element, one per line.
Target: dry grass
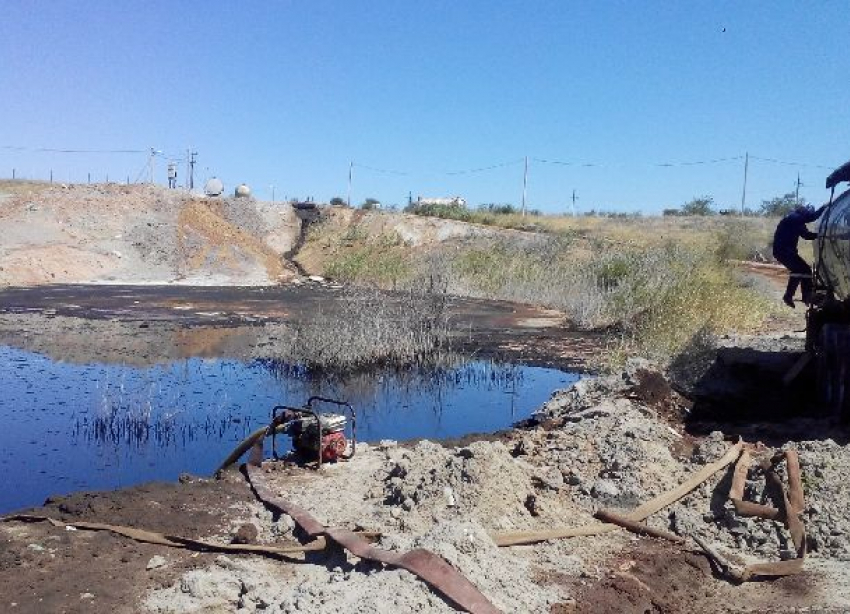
<point x="653" y="283"/>
<point x="372" y="330"/>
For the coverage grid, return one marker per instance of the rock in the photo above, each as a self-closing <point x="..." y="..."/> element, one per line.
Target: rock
<point x="465" y="453"/>
<point x="246" y="534"/>
<point x="449" y="495"/>
<point x="316" y="278"/>
<point x="604" y="489"/>
<point x="573" y="479"/>
<point x="156" y="562"/>
<point x="86" y="596"/>
<point x="531" y="505"/>
<point x="550" y="477"/>
<point x="408" y="504"/>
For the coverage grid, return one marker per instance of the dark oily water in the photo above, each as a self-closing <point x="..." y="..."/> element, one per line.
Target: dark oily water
<point x="68" y="427"/>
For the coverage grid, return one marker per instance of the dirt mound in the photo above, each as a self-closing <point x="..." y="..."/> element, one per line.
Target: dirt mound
<point x="141" y="234"/>
<point x="209" y="244"/>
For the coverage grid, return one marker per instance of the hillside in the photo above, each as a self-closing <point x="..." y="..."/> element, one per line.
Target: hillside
<point x="140" y="234"/>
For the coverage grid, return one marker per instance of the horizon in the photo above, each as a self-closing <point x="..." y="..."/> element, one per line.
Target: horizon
<point x="635" y="108"/>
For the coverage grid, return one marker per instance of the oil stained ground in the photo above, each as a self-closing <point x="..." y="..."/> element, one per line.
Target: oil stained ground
<point x="70" y="427"/>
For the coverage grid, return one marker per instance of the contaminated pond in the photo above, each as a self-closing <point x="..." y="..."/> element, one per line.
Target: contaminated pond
<point x="68" y="427"/>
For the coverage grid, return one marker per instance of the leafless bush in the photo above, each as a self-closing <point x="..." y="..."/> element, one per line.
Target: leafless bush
<point x="371" y="328"/>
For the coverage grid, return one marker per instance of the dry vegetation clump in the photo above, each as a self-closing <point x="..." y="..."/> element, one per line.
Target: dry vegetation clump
<point x="652" y="293"/>
<point x="382" y="261"/>
<point x="369" y="330"/>
<point x="656" y="298"/>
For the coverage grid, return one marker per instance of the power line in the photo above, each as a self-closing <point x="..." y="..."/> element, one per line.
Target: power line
<point x="488" y="168"/>
<point x="439" y="173"/>
<point x="785" y="163"/>
<point x="75" y="151"/>
<point x="658" y="164"/>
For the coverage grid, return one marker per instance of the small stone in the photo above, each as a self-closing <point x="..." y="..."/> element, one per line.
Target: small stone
<point x="604" y="489"/>
<point x="465" y="453"/>
<point x="408" y="504"/>
<point x="156" y="562"/>
<point x="572" y="479"/>
<point x="86" y="596"/>
<point x="551" y="478"/>
<point x="531" y="505"/>
<point x="449" y="496"/>
<point x="246" y="534"/>
<point x="395" y="512"/>
<point x="184" y="478"/>
<point x="36" y="547"/>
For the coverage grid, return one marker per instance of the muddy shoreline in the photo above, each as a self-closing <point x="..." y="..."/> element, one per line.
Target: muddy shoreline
<point x="152" y="324"/>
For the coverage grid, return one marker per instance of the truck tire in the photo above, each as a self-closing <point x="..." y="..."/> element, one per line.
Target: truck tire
<point x="833" y="369"/>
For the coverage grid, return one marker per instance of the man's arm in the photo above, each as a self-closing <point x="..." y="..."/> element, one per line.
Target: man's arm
<point x="808" y="235"/>
<point x="815" y="215"/>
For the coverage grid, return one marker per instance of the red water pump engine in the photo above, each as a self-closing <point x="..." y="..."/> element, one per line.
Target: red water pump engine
<point x="316" y="437"/>
<point x="304" y="432"/>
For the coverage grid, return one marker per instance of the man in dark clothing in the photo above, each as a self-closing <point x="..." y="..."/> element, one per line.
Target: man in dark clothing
<point x="790" y="229"/>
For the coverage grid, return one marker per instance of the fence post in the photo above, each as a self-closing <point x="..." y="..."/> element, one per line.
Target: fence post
<point x="13" y="173"/>
<point x="51" y="175"/>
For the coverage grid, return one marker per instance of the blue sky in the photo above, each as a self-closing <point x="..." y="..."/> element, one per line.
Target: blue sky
<point x="289" y="93"/>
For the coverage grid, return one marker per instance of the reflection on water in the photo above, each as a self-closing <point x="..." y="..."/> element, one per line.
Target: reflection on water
<point x="70" y="427"/>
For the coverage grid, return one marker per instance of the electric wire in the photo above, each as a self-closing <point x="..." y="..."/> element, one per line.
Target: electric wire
<point x="75" y="151"/>
<point x="786" y="163"/>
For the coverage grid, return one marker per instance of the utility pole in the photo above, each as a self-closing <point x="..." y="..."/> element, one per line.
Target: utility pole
<point x="524" y="185"/>
<point x="797" y="190"/>
<point x="575" y="198"/>
<point x="744" y="192"/>
<point x="191" y="156"/>
<point x="350" y="173"/>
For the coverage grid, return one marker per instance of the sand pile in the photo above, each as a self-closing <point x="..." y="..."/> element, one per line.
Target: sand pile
<point x="112" y="233"/>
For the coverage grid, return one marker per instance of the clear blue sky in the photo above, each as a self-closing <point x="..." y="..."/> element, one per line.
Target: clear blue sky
<point x="288" y="93"/>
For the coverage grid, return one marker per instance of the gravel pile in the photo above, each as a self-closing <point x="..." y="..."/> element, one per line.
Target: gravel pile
<point x="601" y="444"/>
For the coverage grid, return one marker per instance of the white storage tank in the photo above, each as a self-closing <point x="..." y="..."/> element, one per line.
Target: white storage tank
<point x="214" y="187"/>
<point x="242" y="191"/>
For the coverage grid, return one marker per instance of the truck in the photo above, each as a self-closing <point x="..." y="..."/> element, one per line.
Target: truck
<point x="828" y="315"/>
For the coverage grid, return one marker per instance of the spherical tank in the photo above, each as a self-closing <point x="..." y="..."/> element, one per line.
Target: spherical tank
<point x="242" y="191"/>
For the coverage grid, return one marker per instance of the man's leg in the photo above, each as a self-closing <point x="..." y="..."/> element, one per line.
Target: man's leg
<point x="801" y="274"/>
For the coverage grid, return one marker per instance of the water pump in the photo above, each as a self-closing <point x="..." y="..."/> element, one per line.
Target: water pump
<point x="316" y="437"/>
